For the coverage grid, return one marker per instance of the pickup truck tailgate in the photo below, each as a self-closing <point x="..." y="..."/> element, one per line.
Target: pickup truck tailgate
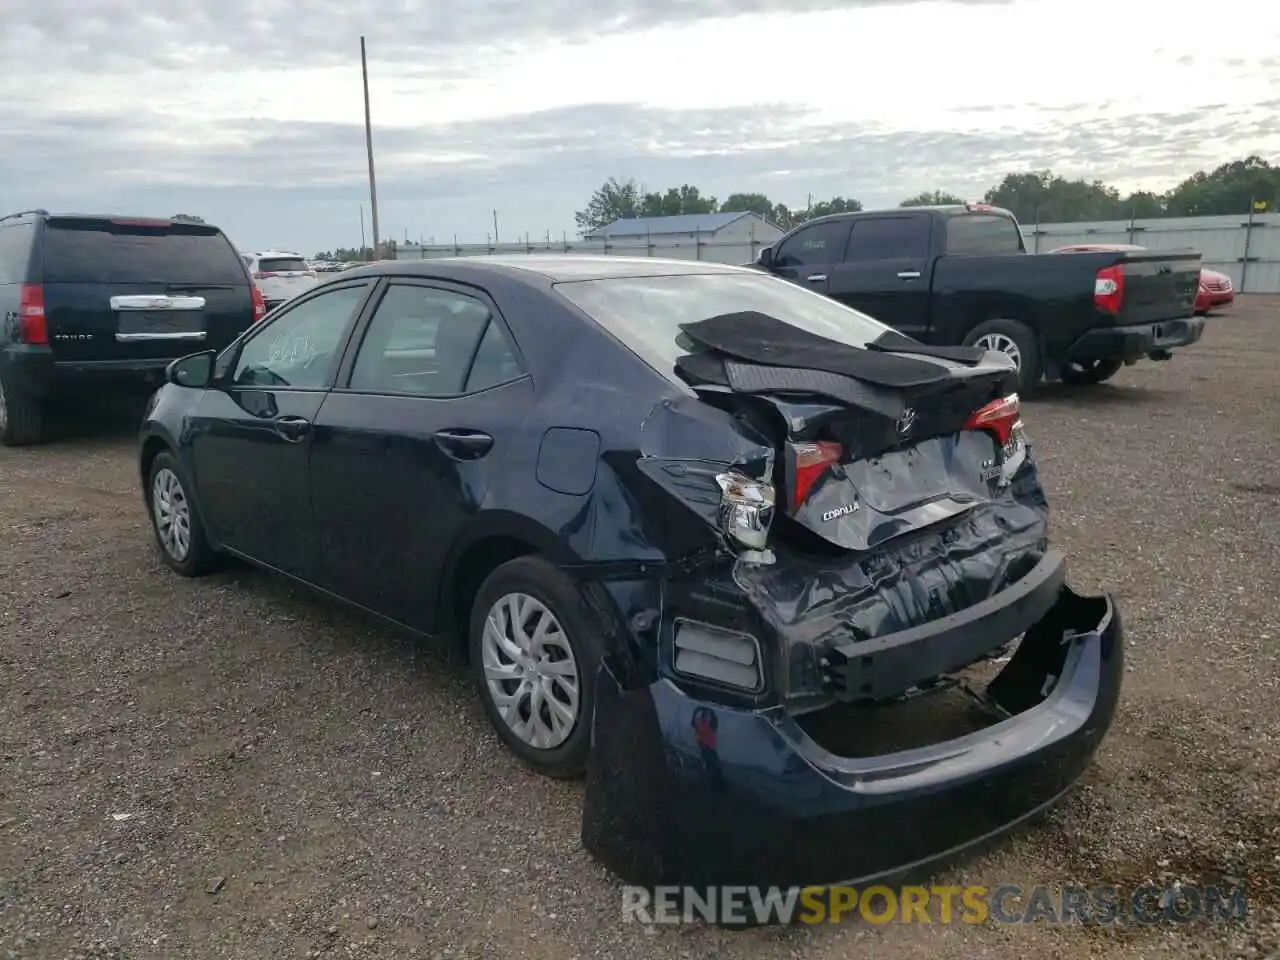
<point x="1158" y="285"/>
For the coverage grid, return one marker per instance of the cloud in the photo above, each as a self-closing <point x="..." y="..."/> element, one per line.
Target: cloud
<point x="102" y="34"/>
<point x="250" y="114"/>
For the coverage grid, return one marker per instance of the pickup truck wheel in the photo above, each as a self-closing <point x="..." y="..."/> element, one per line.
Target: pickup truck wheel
<point x="1096" y="371"/>
<point x="21" y="416"/>
<point x="1016" y="341"/>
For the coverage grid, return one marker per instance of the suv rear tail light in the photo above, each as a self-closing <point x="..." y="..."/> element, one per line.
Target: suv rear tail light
<point x="259" y="304"/>
<point x="812" y="461"/>
<point x="264" y="275"/>
<point x="721" y="656"/>
<point x="746" y="509"/>
<point x="1001" y="418"/>
<point x="31" y="321"/>
<point x="1108" y="289"/>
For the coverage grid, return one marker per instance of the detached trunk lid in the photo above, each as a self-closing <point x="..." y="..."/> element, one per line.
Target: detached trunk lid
<point x="128" y="290"/>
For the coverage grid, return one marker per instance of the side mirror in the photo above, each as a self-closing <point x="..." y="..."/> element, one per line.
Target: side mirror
<point x="194" y="370"/>
<point x="766" y="257"/>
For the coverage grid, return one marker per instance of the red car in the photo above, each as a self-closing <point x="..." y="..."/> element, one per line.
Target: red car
<point x="1216" y="289"/>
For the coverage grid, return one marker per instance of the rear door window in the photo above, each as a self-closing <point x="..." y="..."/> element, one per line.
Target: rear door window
<point x="124" y="252"/>
<point x="888" y="238"/>
<point x="983" y="235"/>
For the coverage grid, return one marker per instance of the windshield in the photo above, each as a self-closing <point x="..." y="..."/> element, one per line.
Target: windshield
<point x="645" y="313"/>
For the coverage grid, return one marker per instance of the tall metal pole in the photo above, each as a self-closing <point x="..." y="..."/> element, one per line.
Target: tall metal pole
<point x="368" y="141"/>
<point x="495" y="228"/>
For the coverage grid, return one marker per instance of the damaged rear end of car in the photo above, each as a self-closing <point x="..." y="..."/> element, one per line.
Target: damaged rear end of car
<point x="881" y="665"/>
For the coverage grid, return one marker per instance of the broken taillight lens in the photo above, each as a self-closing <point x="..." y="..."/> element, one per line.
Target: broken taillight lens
<point x="1000" y="418"/>
<point x="812" y="461"/>
<point x="746" y="509"/>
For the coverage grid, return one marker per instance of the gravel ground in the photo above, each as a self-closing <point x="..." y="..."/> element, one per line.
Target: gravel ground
<point x="231" y="768"/>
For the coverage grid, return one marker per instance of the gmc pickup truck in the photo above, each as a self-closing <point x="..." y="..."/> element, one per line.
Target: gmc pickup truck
<point x="961" y="275"/>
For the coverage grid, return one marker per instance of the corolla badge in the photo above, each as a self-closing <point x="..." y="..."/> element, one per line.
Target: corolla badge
<point x="841" y="511"/>
<point x="906" y="422"/>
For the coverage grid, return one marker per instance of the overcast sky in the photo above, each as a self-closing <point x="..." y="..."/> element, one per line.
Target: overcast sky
<point x="249" y="112"/>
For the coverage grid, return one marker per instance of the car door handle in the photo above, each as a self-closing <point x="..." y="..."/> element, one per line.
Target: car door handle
<point x="909" y="275"/>
<point x="817" y="278"/>
<point x="464" y="444"/>
<point x="293" y="429"/>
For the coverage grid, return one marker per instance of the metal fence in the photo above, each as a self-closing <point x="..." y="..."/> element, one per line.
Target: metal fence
<point x="686" y="247"/>
<point x="1245" y="247"/>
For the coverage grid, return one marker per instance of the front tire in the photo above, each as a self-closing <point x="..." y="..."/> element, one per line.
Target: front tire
<point x="176" y="521"/>
<point x="1015" y="340"/>
<point x="1084" y="374"/>
<point x="535" y="652"/>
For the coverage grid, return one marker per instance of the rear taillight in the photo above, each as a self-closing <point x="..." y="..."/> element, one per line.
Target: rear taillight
<point x="812" y="461"/>
<point x="1000" y="418"/>
<point x="31" y="321"/>
<point x="259" y="304"/>
<point x="264" y="275"/>
<point x="1108" y="289"/>
<point x="746" y="509"/>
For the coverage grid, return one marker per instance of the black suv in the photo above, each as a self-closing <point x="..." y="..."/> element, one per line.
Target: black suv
<point x="92" y="302"/>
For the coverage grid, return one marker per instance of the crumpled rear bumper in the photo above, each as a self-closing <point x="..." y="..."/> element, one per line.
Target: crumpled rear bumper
<point x="767" y="805"/>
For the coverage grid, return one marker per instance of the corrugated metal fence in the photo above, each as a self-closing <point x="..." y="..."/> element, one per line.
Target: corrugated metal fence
<point x="1245" y="247"/>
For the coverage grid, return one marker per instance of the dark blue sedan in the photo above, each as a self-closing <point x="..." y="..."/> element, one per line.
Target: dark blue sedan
<point x="691" y="523"/>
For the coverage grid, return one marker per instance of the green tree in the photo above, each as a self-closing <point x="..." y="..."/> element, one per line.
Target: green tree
<point x="1052" y="199"/>
<point x="614" y="200"/>
<point x="758" y="204"/>
<point x="675" y="201"/>
<point x="822" y="208"/>
<point x="931" y="198"/>
<point x="1145" y="205"/>
<point x="1230" y="188"/>
<point x="187" y="218"/>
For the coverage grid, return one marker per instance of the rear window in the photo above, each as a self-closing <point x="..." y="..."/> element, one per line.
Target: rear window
<point x="983" y="234"/>
<point x="103" y="251"/>
<point x="645" y="313"/>
<point x="283" y="265"/>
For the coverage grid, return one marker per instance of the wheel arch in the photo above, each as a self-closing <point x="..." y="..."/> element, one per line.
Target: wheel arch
<point x="494" y="538"/>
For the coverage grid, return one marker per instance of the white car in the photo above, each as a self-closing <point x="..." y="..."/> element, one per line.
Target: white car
<point x="280" y="276"/>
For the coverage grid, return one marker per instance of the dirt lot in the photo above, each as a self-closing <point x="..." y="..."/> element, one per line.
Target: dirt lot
<point x="345" y="788"/>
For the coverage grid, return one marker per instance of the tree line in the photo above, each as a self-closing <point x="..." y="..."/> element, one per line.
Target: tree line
<point x="1235" y="187"/>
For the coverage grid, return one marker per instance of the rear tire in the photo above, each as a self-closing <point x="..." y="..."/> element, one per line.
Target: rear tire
<point x="535" y="652"/>
<point x="1078" y="374"/>
<point x="1016" y="341"/>
<point x="176" y="520"/>
<point x="21" y="416"/>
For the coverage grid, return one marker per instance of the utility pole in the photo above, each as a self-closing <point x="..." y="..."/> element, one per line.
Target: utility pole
<point x="368" y="141"/>
<point x="495" y="228"/>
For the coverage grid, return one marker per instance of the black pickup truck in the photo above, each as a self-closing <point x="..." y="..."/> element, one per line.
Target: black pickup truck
<point x="961" y="275"/>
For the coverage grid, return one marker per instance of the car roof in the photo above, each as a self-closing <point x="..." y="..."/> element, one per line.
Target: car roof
<point x="547" y="267"/>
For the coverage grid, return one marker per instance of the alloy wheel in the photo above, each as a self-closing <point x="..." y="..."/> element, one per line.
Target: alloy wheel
<point x="1001" y="344"/>
<point x="530" y="671"/>
<point x="172" y="514"/>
